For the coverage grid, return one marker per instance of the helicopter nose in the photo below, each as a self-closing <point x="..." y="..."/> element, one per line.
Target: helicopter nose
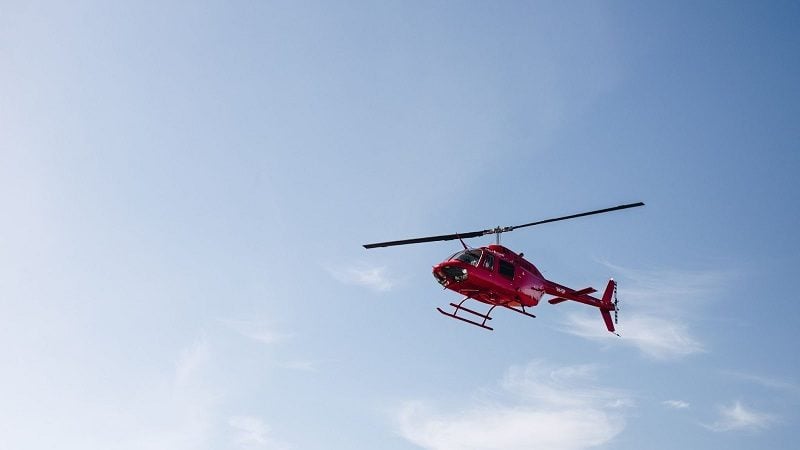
<point x="440" y="278"/>
<point x="447" y="274"/>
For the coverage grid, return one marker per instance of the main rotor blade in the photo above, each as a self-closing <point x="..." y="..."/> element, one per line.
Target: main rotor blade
<point x="444" y="237"/>
<point x="573" y="216"/>
<point x="498" y="230"/>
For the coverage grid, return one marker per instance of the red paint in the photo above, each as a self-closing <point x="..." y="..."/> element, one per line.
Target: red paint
<point x="488" y="279"/>
<point x="497" y="276"/>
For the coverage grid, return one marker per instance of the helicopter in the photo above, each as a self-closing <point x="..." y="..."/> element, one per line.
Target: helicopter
<point x="497" y="276"/>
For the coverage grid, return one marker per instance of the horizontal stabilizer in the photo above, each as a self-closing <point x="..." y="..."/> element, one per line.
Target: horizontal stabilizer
<point x="557" y="300"/>
<point x="588" y="290"/>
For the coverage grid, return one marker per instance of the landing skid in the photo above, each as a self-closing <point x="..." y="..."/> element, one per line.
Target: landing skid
<point x="458" y="307"/>
<point x="454" y="316"/>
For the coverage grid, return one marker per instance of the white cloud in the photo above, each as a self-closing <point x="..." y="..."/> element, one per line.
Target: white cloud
<point x="676" y="404"/>
<point x="668" y="291"/>
<point x="737" y="417"/>
<point x="655" y="310"/>
<point x="546" y="407"/>
<point x="558" y="386"/>
<point x="374" y="278"/>
<point x="250" y="433"/>
<point x="655" y="337"/>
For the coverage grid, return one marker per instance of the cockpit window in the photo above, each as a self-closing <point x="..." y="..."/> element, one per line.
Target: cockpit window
<point x="488" y="261"/>
<point x="468" y="256"/>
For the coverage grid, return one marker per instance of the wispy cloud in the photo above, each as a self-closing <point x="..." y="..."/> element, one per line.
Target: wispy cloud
<point x="668" y="291"/>
<point x="190" y="363"/>
<point x="768" y="382"/>
<point x="251" y="433"/>
<point x="374" y="278"/>
<point x="657" y="338"/>
<point x="185" y="414"/>
<point x="676" y="404"/>
<point x="179" y="414"/>
<point x="545" y="407"/>
<point x="561" y="386"/>
<point x="300" y="365"/>
<point x="265" y="334"/>
<point x="257" y="331"/>
<point x="738" y="417"/>
<point x="655" y="311"/>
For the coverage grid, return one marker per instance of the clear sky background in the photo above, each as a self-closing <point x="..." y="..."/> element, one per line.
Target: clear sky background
<point x="185" y="188"/>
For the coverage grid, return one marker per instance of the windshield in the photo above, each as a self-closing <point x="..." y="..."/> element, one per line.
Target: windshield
<point x="468" y="256"/>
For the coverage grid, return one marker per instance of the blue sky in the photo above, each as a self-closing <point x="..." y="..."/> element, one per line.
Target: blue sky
<point x="186" y="186"/>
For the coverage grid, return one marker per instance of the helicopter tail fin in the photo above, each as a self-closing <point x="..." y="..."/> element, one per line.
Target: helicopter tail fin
<point x="606" y="305"/>
<point x="606" y="301"/>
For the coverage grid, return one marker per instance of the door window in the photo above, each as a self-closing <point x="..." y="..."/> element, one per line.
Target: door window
<point x="506" y="269"/>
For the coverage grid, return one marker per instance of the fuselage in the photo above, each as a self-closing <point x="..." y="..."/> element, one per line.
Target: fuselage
<point x="493" y="275"/>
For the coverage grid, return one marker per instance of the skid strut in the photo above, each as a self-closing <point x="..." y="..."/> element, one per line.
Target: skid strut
<point x="458" y="307"/>
<point x="522" y="311"/>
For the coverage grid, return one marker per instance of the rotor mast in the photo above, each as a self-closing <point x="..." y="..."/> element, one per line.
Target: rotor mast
<point x="496" y="231"/>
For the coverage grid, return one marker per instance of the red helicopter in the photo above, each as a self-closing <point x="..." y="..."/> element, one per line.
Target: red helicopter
<point x="498" y="276"/>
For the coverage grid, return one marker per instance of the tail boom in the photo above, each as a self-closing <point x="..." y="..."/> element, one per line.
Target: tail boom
<point x="605" y="304"/>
